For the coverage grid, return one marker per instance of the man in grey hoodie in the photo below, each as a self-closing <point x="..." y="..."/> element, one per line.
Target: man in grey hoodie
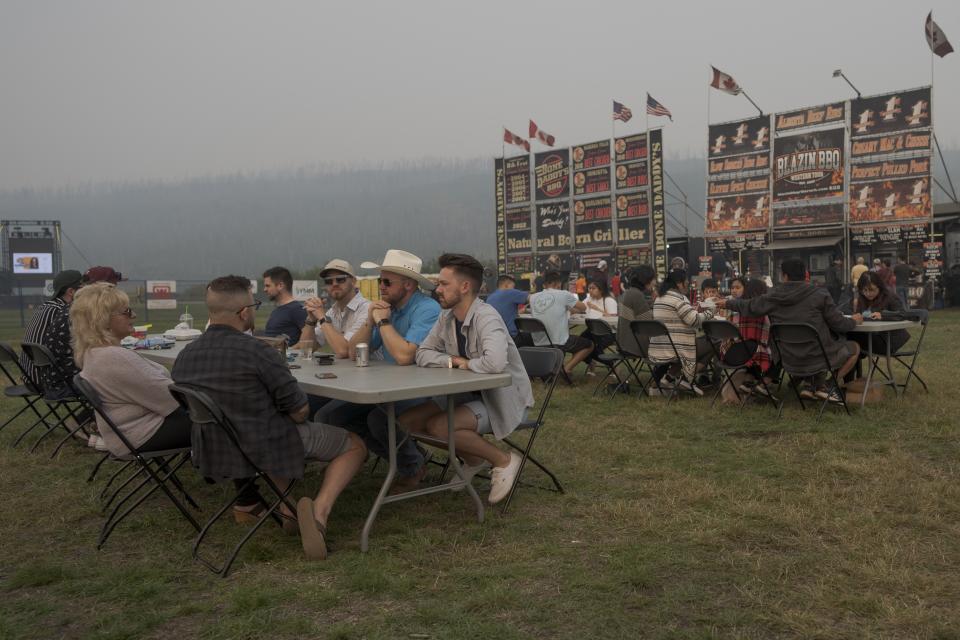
<point x="795" y="301"/>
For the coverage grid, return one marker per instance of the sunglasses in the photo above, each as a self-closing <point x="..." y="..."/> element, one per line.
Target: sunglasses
<point x="385" y="282"/>
<point x="256" y="305"/>
<point x="130" y="313"/>
<point x="335" y="280"/>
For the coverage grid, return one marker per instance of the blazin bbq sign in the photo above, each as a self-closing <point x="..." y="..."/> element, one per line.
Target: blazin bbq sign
<point x="806" y="168"/>
<point x="551" y="171"/>
<point x="807" y="164"/>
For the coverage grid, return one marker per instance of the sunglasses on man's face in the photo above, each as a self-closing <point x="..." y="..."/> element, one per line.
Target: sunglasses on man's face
<point x="255" y="305"/>
<point x="385" y="282"/>
<point x="335" y="280"/>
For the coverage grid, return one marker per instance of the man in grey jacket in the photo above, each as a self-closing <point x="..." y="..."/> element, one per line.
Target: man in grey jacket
<point x="471" y="335"/>
<point x="795" y="301"/>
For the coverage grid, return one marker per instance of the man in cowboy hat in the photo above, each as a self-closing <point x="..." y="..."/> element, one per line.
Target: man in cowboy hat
<point x="396" y="325"/>
<point x="346" y="316"/>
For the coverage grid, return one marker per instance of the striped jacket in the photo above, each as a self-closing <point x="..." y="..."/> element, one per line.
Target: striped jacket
<point x="682" y="321"/>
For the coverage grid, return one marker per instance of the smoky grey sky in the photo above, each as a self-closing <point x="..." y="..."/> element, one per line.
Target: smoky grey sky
<point x="100" y="91"/>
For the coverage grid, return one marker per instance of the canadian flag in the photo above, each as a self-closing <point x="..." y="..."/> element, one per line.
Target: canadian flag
<point x="724" y="82"/>
<point x="542" y="136"/>
<point x="936" y="38"/>
<point x="512" y="138"/>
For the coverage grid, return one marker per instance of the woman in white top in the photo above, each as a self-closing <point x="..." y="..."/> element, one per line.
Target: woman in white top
<point x="600" y="306"/>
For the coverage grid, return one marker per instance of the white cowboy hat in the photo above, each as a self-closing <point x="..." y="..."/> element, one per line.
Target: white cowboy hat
<point x="402" y="263"/>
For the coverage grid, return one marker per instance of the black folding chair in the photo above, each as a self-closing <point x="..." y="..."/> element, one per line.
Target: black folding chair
<point x="804" y="334"/>
<point x="158" y="469"/>
<point x="717" y="332"/>
<point x="539" y="362"/>
<point x="645" y="331"/>
<point x="25" y="390"/>
<point x="534" y="331"/>
<point x="633" y="352"/>
<point x="205" y="415"/>
<point x="609" y="359"/>
<point x="66" y="398"/>
<point x="903" y="355"/>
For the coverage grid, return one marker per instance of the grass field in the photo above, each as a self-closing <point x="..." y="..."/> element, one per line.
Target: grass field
<point x="678" y="522"/>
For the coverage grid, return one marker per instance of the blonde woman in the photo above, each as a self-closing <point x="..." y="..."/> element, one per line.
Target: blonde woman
<point x="133" y="389"/>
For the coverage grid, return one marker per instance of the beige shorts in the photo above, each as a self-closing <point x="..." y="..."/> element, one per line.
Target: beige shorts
<point x="323" y="442"/>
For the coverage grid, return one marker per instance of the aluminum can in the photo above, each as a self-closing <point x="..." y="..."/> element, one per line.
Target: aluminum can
<point x="363" y="355"/>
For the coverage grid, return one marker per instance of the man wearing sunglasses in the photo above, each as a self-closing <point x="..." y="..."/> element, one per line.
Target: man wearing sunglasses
<point x="346" y="316"/>
<point x="395" y="326"/>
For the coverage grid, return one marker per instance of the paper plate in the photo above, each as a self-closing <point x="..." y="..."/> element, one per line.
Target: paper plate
<point x="183" y="334"/>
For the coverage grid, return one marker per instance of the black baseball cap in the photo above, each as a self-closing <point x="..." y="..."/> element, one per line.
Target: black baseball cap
<point x="68" y="279"/>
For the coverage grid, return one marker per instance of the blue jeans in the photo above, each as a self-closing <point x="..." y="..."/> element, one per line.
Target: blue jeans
<point x="370" y="423"/>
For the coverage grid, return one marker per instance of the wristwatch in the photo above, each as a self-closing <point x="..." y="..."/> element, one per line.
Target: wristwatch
<point x="316" y="322"/>
<point x="380" y="323"/>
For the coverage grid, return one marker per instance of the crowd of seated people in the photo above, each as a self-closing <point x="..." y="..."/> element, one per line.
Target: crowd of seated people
<point x="416" y="322"/>
<point x="428" y="323"/>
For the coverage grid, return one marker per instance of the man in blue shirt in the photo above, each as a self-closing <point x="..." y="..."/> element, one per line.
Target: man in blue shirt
<point x="396" y="325"/>
<point x="505" y="300"/>
<point x="288" y="318"/>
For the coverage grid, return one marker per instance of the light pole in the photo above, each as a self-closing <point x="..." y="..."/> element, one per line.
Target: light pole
<point x="838" y="73"/>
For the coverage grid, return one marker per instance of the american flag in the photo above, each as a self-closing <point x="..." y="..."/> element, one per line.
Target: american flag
<point x="654" y="108"/>
<point x="621" y="112"/>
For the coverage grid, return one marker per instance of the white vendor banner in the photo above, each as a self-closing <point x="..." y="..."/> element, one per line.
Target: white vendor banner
<point x="305" y="289"/>
<point x="160" y="294"/>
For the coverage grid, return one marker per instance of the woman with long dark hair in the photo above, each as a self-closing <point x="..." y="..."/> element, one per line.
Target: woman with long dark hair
<point x="872" y="298"/>
<point x="673" y="309"/>
<point x="600" y="306"/>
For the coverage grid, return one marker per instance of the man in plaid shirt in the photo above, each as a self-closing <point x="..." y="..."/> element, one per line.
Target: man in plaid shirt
<point x="254" y="388"/>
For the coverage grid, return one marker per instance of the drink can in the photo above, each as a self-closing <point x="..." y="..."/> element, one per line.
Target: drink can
<point x="363" y="355"/>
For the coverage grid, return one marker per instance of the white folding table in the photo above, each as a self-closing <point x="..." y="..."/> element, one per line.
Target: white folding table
<point x="385" y="384"/>
<point x="871" y="327"/>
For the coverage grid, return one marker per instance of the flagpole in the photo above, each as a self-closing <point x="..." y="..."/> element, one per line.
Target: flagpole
<point x="751" y="101"/>
<point x="707" y="173"/>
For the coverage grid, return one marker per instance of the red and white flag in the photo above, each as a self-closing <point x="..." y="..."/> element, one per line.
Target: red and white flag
<point x="724" y="82"/>
<point x="540" y="135"/>
<point x="936" y="38"/>
<point x="512" y="138"/>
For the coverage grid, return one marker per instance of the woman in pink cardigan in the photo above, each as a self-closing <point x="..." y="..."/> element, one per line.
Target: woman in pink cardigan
<point x="133" y="389"/>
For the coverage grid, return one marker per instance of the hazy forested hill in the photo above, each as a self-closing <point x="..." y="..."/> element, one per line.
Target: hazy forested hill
<point x="197" y="229"/>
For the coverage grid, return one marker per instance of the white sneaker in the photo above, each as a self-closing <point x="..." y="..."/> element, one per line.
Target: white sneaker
<point x="501" y="479"/>
<point x="469" y="472"/>
<point x="96" y="442"/>
<point x="686" y="386"/>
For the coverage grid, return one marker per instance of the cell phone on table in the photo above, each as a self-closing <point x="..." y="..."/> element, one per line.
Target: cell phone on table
<point x="325" y="375"/>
